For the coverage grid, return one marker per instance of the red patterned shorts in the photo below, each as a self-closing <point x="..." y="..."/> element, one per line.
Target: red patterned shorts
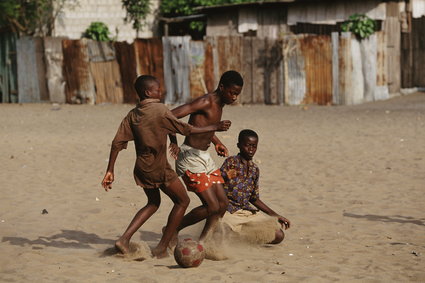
<point x="199" y="182"/>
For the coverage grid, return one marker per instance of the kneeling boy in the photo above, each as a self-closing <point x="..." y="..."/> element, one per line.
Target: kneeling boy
<point x="241" y="177"/>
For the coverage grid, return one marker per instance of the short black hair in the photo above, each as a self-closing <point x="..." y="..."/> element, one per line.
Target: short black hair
<point x="231" y="78"/>
<point x="246" y="133"/>
<point x="143" y="83"/>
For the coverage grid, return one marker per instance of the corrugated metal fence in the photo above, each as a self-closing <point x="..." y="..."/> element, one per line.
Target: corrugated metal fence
<point x="298" y="69"/>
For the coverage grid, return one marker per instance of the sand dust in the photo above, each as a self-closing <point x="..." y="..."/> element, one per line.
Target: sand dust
<point x="350" y="178"/>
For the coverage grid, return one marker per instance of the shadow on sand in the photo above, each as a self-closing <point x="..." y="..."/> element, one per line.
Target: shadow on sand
<point x="383" y="218"/>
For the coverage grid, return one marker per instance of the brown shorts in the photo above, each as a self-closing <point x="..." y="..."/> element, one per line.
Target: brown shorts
<point x="199" y="182"/>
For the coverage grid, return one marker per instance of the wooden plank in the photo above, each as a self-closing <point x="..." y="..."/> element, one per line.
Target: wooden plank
<point x="247" y="70"/>
<point x="392" y="38"/>
<point x="107" y="80"/>
<point x="318" y="69"/>
<point x="335" y="68"/>
<point x="259" y="59"/>
<point x="345" y="66"/>
<point x="79" y="82"/>
<point x="197" y="59"/>
<point x="126" y="58"/>
<point x="418" y="51"/>
<point x="149" y="54"/>
<point x="54" y="69"/>
<point x="31" y="70"/>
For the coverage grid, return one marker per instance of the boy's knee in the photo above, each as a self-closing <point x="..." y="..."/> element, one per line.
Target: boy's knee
<point x="213" y="209"/>
<point x="279" y="236"/>
<point x="184" y="202"/>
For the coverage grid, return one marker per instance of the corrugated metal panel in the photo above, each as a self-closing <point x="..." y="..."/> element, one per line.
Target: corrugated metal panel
<point x="149" y="54"/>
<point x="356" y="93"/>
<point x="335" y="69"/>
<point x="79" y="82"/>
<point x="8" y="68"/>
<point x="381" y="67"/>
<point x="31" y="69"/>
<point x="54" y="69"/>
<point x="100" y="51"/>
<point x="418" y="50"/>
<point x="294" y="70"/>
<point x="176" y="68"/>
<point x="197" y="59"/>
<point x="126" y="58"/>
<point x="368" y="49"/>
<point x="317" y="52"/>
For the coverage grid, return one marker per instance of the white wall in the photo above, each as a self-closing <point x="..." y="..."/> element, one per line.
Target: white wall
<point x="76" y="18"/>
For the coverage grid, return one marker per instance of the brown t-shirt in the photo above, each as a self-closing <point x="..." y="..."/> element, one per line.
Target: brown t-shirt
<point x="149" y="125"/>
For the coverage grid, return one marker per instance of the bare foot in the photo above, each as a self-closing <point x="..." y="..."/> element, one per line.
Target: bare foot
<point x="122" y="246"/>
<point x="159" y="252"/>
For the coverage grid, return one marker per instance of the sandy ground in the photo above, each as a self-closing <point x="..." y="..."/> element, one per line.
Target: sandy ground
<point x="351" y="180"/>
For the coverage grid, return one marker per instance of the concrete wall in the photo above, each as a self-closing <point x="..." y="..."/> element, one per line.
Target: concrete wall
<point x="77" y="17"/>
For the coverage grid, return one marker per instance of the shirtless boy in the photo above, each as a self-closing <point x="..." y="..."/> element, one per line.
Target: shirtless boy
<point x="241" y="176"/>
<point x="148" y="124"/>
<point x="194" y="163"/>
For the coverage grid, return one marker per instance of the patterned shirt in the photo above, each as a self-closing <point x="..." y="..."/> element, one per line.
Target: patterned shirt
<point x="240" y="183"/>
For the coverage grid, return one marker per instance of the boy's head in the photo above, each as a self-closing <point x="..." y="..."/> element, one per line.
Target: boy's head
<point x="230" y="86"/>
<point x="247" y="143"/>
<point x="147" y="86"/>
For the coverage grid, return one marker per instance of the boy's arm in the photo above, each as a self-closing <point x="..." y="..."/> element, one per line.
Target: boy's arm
<point x="258" y="203"/>
<point x="220" y="148"/>
<point x="109" y="175"/>
<point x="192" y="107"/>
<point x="173" y="147"/>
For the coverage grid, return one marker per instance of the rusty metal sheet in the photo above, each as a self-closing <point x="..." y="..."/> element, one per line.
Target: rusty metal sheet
<point x="418" y="51"/>
<point x="107" y="80"/>
<point x="259" y="60"/>
<point x="31" y="70"/>
<point x="317" y="51"/>
<point x="126" y="58"/>
<point x="209" y="77"/>
<point x="101" y="51"/>
<point x="79" y="82"/>
<point x="176" y="68"/>
<point x="273" y="74"/>
<point x="393" y="34"/>
<point x="149" y="54"/>
<point x="198" y="86"/>
<point x="54" y="68"/>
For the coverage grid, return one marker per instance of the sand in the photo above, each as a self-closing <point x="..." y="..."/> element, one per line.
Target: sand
<point x="350" y="178"/>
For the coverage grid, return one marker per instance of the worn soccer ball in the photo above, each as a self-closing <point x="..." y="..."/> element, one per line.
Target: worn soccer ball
<point x="189" y="253"/>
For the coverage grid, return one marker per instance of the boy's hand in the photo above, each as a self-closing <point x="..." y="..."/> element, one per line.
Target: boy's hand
<point x="284" y="222"/>
<point x="107" y="181"/>
<point x="221" y="150"/>
<point x="223" y="125"/>
<point x="174" y="150"/>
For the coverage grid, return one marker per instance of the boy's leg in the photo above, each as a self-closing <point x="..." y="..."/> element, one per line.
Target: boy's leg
<point x="177" y="193"/>
<point x="221" y="197"/>
<point x="154" y="200"/>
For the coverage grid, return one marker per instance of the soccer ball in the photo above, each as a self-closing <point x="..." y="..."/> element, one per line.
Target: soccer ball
<point x="189" y="253"/>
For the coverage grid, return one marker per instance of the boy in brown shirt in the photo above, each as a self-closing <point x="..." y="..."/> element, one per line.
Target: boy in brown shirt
<point x="148" y="125"/>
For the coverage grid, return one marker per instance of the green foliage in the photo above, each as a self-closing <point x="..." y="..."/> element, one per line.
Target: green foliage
<point x="97" y="31"/>
<point x="137" y="12"/>
<point x="30" y="17"/>
<point x="359" y="24"/>
<point x="175" y="8"/>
